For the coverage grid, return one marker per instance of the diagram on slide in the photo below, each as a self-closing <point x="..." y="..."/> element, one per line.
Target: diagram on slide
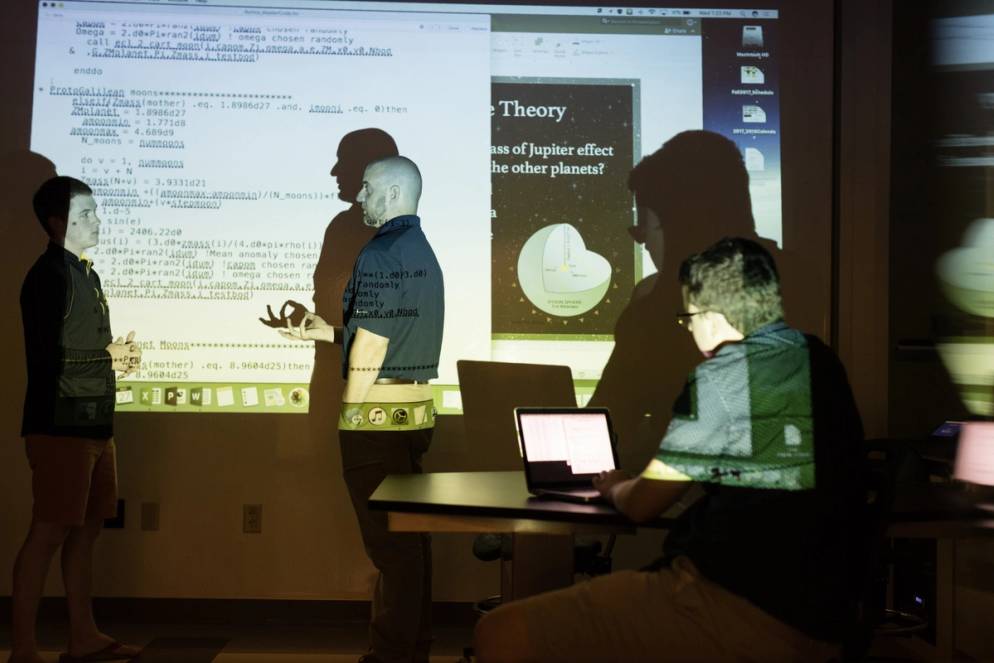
<point x="559" y="275"/>
<point x="563" y="262"/>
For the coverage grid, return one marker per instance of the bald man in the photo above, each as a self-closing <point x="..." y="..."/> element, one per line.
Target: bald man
<point x="393" y="308"/>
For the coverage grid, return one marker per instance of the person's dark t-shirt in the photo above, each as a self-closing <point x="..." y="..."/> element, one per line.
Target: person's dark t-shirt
<point x="770" y="429"/>
<point x="71" y="384"/>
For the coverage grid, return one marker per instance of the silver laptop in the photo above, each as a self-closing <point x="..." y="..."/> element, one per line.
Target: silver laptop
<point x="564" y="448"/>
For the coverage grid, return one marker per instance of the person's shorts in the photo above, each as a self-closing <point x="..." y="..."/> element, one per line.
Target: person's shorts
<point x="73" y="479"/>
<point x="674" y="614"/>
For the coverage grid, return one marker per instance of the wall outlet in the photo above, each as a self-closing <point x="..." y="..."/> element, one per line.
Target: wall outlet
<point x="150" y="516"/>
<point x="252" y="518"/>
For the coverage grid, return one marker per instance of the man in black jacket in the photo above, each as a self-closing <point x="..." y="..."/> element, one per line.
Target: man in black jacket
<point x="68" y="421"/>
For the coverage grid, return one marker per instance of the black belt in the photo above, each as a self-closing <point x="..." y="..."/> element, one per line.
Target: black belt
<point x="399" y="381"/>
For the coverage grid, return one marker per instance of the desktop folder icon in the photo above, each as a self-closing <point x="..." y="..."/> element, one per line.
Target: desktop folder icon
<point x="752" y="75"/>
<point x="753" y="114"/>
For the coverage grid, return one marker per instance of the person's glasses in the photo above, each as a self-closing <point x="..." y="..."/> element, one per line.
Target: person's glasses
<point x="684" y="319"/>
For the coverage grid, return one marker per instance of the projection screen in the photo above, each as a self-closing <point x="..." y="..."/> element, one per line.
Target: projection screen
<point x="208" y="131"/>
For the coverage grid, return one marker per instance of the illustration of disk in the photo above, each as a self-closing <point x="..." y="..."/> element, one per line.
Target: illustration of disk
<point x="559" y="275"/>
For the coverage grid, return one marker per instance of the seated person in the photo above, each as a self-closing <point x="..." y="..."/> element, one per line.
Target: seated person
<point x="762" y="566"/>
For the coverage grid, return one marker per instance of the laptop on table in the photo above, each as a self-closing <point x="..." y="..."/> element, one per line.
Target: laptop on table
<point x="564" y="449"/>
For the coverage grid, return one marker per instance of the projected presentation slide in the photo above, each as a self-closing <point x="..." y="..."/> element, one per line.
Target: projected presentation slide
<point x="208" y="132"/>
<point x="561" y="207"/>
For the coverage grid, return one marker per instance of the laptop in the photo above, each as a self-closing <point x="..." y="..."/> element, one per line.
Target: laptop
<point x="563" y="449"/>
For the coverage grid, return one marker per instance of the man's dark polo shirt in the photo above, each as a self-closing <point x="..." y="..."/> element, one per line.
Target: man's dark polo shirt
<point x="396" y="291"/>
<point x="66" y="331"/>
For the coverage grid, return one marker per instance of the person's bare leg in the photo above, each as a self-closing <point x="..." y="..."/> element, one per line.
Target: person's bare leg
<point x="77" y="574"/>
<point x="30" y="572"/>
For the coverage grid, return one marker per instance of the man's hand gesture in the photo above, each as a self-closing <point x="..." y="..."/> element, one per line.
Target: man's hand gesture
<point x="125" y="355"/>
<point x="311" y="328"/>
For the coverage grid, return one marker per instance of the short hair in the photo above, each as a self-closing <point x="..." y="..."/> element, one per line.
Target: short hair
<point x="53" y="196"/>
<point x="738" y="278"/>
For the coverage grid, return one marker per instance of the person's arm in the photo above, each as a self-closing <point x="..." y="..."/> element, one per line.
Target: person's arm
<point x="366" y="357"/>
<point x="312" y="328"/>
<point x="641" y="499"/>
<point x="662" y="483"/>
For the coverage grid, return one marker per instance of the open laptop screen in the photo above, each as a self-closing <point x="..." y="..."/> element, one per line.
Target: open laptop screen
<point x="565" y="446"/>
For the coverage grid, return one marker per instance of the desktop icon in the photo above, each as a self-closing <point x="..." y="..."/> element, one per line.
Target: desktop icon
<point x="250" y="396"/>
<point x="225" y="396"/>
<point x="752" y="36"/>
<point x="752" y="75"/>
<point x="125" y="396"/>
<point x="299" y="397"/>
<point x="752" y="114"/>
<point x="754" y="160"/>
<point x="274" y="397"/>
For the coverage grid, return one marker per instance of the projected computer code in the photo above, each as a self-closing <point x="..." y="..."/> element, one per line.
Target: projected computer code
<point x="208" y="137"/>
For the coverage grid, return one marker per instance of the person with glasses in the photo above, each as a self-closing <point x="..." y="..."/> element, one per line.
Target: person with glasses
<point x="690" y="193"/>
<point x="762" y="566"/>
